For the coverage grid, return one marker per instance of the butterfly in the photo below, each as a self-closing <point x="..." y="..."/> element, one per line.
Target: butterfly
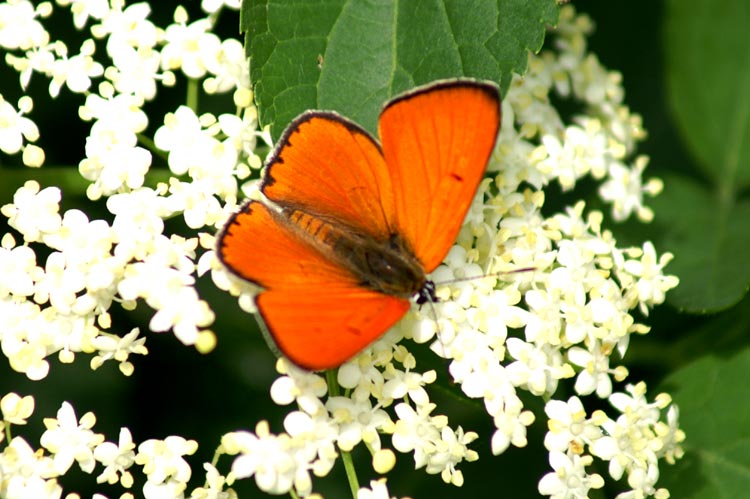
<point x="350" y="227"/>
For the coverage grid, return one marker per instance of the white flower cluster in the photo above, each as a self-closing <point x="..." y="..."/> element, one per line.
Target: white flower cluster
<point x="633" y="443"/>
<point x="61" y="306"/>
<point x="30" y="473"/>
<point x="325" y="422"/>
<point x="565" y="308"/>
<point x="562" y="317"/>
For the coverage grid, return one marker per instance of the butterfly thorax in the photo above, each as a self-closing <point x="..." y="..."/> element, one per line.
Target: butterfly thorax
<point x="385" y="265"/>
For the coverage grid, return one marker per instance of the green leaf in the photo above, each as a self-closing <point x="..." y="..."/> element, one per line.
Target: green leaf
<point x="707" y="52"/>
<point x="351" y="56"/>
<point x="715" y="415"/>
<point x="707" y="44"/>
<point x="709" y="236"/>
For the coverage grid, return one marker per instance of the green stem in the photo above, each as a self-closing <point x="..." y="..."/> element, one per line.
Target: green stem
<point x="151" y="146"/>
<point x="351" y="473"/>
<point x="334" y="390"/>
<point x="8" y="434"/>
<point x="191" y="100"/>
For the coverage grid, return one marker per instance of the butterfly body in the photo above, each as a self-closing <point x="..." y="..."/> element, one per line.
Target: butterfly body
<point x="384" y="265"/>
<point x="351" y="227"/>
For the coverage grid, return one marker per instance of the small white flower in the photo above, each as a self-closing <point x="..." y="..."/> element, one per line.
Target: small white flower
<point x="84" y="9"/>
<point x="197" y="201"/>
<point x="135" y="71"/>
<point x="450" y="450"/>
<point x="651" y="283"/>
<point x="190" y="47"/>
<point x="27" y="473"/>
<point x="34" y="212"/>
<point x="60" y="284"/>
<point x="569" y="479"/>
<point x="117" y="460"/>
<point x="269" y="458"/>
<point x="75" y="72"/>
<point x="113" y="160"/>
<point x="357" y="421"/>
<point x="212" y="6"/>
<point x="19" y="27"/>
<point x="128" y="27"/>
<point x="15" y="128"/>
<point x="215" y="486"/>
<point x="511" y="423"/>
<point x="40" y="60"/>
<point x="115" y="111"/>
<point x="416" y="429"/>
<point x="625" y="190"/>
<point x="402" y="384"/>
<point x="178" y="136"/>
<point x="295" y="384"/>
<point x="537" y="369"/>
<point x="377" y="490"/>
<point x="568" y="426"/>
<point x="163" y="461"/>
<point x="110" y="346"/>
<point x="19" y="268"/>
<point x="595" y="375"/>
<point x="139" y="222"/>
<point x="71" y="440"/>
<point x="184" y="312"/>
<point x="16" y="409"/>
<point x="232" y="70"/>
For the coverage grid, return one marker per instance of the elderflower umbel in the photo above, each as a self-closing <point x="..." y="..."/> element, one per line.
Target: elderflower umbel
<point x="557" y="322"/>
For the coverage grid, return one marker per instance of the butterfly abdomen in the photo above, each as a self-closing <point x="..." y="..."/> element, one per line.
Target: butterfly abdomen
<point x="389" y="266"/>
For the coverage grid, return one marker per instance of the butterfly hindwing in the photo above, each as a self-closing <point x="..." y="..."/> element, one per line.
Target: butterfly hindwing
<point x="322" y="328"/>
<point x="314" y="310"/>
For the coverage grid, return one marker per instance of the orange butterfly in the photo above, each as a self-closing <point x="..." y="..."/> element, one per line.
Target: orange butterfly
<point x="353" y="227"/>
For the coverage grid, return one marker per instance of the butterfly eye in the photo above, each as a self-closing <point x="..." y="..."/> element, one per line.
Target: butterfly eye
<point x="427" y="294"/>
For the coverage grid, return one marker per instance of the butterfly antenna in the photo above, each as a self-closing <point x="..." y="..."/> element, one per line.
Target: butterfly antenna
<point x="495" y="274"/>
<point x="439" y="334"/>
<point x="427" y="295"/>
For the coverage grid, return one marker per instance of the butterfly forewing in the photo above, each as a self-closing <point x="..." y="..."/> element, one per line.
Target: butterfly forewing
<point x="329" y="167"/>
<point x="437" y="142"/>
<point x="259" y="245"/>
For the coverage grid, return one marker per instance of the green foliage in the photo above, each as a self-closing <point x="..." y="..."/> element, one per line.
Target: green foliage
<point x="710" y="234"/>
<point x="351" y="56"/>
<point x="696" y="106"/>
<point x="714" y="412"/>
<point x="708" y="84"/>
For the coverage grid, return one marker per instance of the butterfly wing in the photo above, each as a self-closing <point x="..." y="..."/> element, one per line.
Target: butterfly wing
<point x="329" y="167"/>
<point x="329" y="171"/>
<point x="322" y="328"/>
<point x="315" y="311"/>
<point x="436" y="142"/>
